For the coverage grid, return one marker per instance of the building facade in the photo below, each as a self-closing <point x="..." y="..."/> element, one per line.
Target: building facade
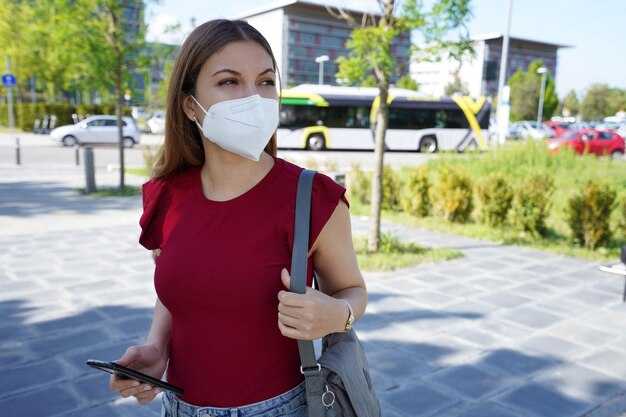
<point x="479" y="74"/>
<point x="299" y="32"/>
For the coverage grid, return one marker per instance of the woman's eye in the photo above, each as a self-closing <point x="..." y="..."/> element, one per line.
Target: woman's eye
<point x="227" y="82"/>
<point x="268" y="82"/>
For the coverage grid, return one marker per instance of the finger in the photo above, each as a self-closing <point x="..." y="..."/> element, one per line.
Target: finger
<point x="119" y="384"/>
<point x="147" y="396"/>
<point x="291" y="298"/>
<point x="285" y="278"/>
<point x="134" y="391"/>
<point x="289" y="332"/>
<point x="131" y="355"/>
<point x="290" y="310"/>
<point x="289" y="321"/>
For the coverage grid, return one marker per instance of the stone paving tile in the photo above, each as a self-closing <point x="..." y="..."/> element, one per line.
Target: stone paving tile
<point x="535" y="400"/>
<point x="468" y="381"/>
<point x="506" y="299"/>
<point x="487" y="410"/>
<point x="582" y="333"/>
<point x="419" y="400"/>
<point x="548" y="346"/>
<point x="583" y="383"/>
<point x="531" y="317"/>
<point x="607" y="361"/>
<point x="53" y="399"/>
<point x="516" y="363"/>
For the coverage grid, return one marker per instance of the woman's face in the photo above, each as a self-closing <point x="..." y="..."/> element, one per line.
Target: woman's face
<point x="241" y="69"/>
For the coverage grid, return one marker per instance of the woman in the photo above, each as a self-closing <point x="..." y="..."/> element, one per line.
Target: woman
<point x="219" y="215"/>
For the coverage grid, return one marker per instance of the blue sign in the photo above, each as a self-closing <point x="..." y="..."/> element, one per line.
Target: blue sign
<point x="9" y="80"/>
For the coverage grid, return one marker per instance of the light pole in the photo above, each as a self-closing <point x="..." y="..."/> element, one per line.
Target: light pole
<point x="543" y="71"/>
<point x="502" y="117"/>
<point x="320" y="60"/>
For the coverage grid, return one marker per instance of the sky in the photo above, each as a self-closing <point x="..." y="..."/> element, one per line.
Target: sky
<point x="595" y="30"/>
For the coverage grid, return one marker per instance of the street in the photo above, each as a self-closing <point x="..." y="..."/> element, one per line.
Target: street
<point x="40" y="149"/>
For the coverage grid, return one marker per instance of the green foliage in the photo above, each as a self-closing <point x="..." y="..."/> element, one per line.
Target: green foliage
<point x="601" y="101"/>
<point x="359" y="185"/>
<point x="28" y="112"/>
<point x="407" y="82"/>
<point x="416" y="195"/>
<point x="72" y="46"/>
<point x="495" y="196"/>
<point x="571" y="103"/>
<point x="453" y="194"/>
<point x="622" y="221"/>
<point x="589" y="214"/>
<point x="392" y="188"/>
<point x="531" y="204"/>
<point x="456" y="87"/>
<point x="525" y="91"/>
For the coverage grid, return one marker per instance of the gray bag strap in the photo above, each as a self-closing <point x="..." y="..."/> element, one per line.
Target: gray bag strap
<point x="314" y="382"/>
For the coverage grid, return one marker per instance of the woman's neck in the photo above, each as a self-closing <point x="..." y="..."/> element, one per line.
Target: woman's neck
<point x="226" y="176"/>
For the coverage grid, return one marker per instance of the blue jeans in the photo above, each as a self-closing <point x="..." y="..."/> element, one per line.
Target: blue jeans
<point x="290" y="404"/>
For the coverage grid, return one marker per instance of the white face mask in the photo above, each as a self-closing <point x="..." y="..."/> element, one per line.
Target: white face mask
<point x="242" y="126"/>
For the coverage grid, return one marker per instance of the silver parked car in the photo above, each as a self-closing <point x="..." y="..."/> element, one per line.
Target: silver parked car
<point x="97" y="130"/>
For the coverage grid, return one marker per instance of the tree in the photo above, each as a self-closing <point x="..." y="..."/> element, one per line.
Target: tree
<point x="456" y="87"/>
<point x="595" y="103"/>
<point x="571" y="104"/>
<point x="406" y="81"/>
<point x="115" y="44"/>
<point x="525" y="91"/>
<point x="370" y="51"/>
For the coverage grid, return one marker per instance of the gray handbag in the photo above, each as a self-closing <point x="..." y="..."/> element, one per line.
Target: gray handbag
<point x="338" y="384"/>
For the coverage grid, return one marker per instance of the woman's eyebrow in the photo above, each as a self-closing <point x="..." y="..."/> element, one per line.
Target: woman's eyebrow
<point x="232" y="71"/>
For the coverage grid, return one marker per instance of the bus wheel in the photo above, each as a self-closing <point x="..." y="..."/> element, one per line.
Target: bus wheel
<point x="316" y="143"/>
<point x="428" y="144"/>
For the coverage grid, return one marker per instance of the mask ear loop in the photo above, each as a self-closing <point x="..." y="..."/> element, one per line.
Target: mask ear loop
<point x="194" y="117"/>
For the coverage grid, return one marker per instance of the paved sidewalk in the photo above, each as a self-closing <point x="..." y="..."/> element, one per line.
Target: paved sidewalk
<point x="502" y="332"/>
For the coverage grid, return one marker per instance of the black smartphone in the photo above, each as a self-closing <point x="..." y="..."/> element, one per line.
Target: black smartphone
<point x="124" y="372"/>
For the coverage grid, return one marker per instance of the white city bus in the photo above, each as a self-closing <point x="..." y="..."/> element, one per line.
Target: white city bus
<point x="318" y="117"/>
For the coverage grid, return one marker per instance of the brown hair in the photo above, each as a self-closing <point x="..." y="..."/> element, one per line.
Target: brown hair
<point x="183" y="143"/>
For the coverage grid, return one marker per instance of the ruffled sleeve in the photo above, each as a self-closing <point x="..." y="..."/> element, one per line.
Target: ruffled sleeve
<point x="325" y="197"/>
<point x="155" y="202"/>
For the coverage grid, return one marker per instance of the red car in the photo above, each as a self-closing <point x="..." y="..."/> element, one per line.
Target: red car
<point x="592" y="141"/>
<point x="558" y="128"/>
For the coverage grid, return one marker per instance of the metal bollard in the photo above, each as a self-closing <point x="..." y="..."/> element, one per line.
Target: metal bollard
<point x="18" y="157"/>
<point x="77" y="154"/>
<point x="90" y="172"/>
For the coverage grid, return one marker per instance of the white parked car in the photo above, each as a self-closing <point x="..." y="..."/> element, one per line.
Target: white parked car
<point x="156" y="123"/>
<point x="528" y="129"/>
<point x="97" y="130"/>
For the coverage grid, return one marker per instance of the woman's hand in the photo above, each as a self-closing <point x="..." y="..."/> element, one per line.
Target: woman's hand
<point x="147" y="359"/>
<point x="311" y="315"/>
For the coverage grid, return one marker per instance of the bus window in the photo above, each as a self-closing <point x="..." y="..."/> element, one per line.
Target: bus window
<point x="347" y="117"/>
<point x="300" y="116"/>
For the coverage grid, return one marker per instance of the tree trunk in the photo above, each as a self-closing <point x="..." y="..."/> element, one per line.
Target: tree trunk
<point x="377" y="175"/>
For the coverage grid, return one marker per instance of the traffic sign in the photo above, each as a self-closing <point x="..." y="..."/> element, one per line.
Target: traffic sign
<point x="9" y="80"/>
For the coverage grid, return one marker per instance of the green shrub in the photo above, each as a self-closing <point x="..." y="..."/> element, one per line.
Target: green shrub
<point x="495" y="196"/>
<point x="589" y="213"/>
<point x="359" y="185"/>
<point x="531" y="204"/>
<point x="392" y="186"/>
<point x="416" y="198"/>
<point x="622" y="222"/>
<point x="453" y="194"/>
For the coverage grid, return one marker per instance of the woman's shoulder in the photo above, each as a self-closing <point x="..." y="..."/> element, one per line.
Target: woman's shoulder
<point x="173" y="181"/>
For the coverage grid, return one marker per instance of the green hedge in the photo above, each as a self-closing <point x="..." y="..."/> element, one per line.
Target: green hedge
<point x="27" y="113"/>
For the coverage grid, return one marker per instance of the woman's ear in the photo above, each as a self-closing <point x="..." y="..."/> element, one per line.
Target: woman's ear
<point x="189" y="107"/>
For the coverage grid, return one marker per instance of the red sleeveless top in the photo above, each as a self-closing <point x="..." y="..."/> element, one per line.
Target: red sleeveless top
<point x="219" y="275"/>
